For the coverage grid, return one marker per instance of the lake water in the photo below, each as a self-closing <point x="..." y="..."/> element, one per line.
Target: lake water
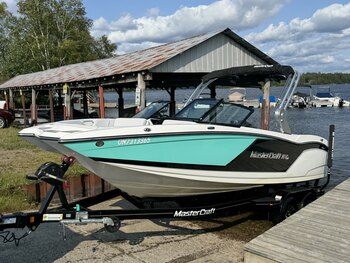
<point x="302" y="121"/>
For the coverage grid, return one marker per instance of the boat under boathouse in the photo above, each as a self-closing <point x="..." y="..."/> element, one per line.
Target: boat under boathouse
<point x="169" y="66"/>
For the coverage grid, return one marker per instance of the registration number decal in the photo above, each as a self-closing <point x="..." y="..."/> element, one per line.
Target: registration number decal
<point x="134" y="141"/>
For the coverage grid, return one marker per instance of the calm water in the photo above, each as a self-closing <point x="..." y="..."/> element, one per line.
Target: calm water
<point x="302" y="121"/>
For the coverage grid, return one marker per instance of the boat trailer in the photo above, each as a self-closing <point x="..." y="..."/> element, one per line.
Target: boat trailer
<point x="280" y="202"/>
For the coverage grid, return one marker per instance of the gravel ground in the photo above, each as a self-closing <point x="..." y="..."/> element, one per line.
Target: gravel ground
<point x="214" y="240"/>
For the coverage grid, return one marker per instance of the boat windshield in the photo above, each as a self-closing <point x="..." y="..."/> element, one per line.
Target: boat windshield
<point x="215" y="112"/>
<point x="156" y="109"/>
<point x="196" y="109"/>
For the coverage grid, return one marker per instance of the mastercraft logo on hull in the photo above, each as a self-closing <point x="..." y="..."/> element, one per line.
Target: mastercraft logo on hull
<point x="269" y="155"/>
<point x="189" y="213"/>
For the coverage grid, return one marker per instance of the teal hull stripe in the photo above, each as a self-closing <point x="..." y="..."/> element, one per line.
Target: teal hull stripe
<point x="181" y="149"/>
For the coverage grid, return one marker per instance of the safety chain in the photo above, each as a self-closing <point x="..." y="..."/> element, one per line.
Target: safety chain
<point x="9" y="236"/>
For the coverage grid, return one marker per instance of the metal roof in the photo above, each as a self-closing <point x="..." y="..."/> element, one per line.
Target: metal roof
<point x="132" y="62"/>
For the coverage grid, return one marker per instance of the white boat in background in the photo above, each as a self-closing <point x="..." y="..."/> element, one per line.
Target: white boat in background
<point x="204" y="149"/>
<point x="327" y="96"/>
<point x="301" y="99"/>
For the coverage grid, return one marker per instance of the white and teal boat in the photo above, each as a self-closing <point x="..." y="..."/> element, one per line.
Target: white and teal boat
<point x="206" y="148"/>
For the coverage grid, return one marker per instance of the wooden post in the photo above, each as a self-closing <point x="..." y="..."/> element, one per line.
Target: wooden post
<point x="23" y="108"/>
<point x="71" y="109"/>
<point x="52" y="116"/>
<point x="103" y="186"/>
<point x="33" y="109"/>
<point x="11" y="105"/>
<point x="102" y="102"/>
<point x="83" y="185"/>
<point x="85" y="104"/>
<point x="67" y="102"/>
<point x="265" y="108"/>
<point x="6" y="101"/>
<point x="120" y="102"/>
<point x="37" y="192"/>
<point x="141" y="87"/>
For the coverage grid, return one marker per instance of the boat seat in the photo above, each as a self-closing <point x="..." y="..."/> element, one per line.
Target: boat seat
<point x="131" y="122"/>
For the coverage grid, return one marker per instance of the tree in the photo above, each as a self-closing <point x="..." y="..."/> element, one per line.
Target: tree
<point x="51" y="33"/>
<point x="5" y="17"/>
<point x="103" y="47"/>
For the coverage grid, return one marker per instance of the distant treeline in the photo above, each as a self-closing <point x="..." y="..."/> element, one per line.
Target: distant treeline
<point x="324" y="78"/>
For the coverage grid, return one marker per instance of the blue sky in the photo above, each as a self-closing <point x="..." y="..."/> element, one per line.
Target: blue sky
<point x="311" y="35"/>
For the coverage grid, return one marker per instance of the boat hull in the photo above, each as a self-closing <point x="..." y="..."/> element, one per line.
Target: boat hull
<point x="148" y="181"/>
<point x="197" y="164"/>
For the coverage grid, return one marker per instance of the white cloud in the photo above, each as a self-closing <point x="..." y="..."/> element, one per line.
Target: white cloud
<point x="332" y="19"/>
<point x="188" y="21"/>
<point x="153" y="11"/>
<point x="327" y="59"/>
<point x="124" y="23"/>
<point x="130" y="47"/>
<point x="317" y="43"/>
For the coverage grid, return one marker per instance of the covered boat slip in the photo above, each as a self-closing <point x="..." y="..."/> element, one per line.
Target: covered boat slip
<point x="168" y="67"/>
<point x="319" y="232"/>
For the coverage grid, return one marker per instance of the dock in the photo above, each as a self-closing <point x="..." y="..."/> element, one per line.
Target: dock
<point x="107" y="105"/>
<point x="319" y="232"/>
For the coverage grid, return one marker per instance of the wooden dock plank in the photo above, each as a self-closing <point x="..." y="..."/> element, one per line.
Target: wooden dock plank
<point x="344" y="186"/>
<point x="319" y="232"/>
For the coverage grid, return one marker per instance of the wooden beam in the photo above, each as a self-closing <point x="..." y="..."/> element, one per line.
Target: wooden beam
<point x="33" y="109"/>
<point x="67" y="103"/>
<point x="6" y="101"/>
<point x="102" y="102"/>
<point x="11" y="104"/>
<point x="85" y="104"/>
<point x="120" y="102"/>
<point x="265" y="108"/>
<point x="23" y="108"/>
<point x="141" y="91"/>
<point x="52" y="116"/>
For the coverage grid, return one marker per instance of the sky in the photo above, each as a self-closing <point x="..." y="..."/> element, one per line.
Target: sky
<point x="310" y="35"/>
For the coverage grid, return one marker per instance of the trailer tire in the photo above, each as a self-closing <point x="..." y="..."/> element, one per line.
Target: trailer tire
<point x="287" y="208"/>
<point x="307" y="199"/>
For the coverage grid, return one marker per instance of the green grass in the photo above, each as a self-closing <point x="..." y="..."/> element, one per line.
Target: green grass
<point x="17" y="159"/>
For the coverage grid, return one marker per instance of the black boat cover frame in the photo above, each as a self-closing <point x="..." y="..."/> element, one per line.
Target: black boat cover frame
<point x="250" y="76"/>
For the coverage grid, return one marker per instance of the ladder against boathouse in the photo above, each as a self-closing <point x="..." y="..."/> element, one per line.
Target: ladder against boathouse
<point x="319" y="232"/>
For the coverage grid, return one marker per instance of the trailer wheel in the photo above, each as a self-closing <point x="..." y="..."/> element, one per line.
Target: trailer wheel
<point x="287" y="208"/>
<point x="113" y="228"/>
<point x="307" y="199"/>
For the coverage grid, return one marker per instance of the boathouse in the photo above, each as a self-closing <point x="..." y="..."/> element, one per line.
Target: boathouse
<point x="177" y="64"/>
